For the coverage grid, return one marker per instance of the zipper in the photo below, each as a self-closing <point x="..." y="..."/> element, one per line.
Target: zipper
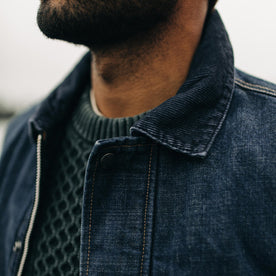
<point x="35" y="206"/>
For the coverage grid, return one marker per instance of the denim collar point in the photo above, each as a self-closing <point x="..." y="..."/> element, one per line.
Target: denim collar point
<point x="189" y="121"/>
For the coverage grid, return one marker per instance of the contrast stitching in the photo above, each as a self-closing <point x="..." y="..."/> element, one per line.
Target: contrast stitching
<point x="145" y="215"/>
<point x="256" y="85"/>
<point x="253" y="87"/>
<point x="90" y="220"/>
<point x="257" y="90"/>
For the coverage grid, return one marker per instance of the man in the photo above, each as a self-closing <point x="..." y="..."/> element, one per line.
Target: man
<point x="154" y="156"/>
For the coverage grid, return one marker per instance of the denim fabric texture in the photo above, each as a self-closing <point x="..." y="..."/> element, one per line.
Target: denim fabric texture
<point x="190" y="192"/>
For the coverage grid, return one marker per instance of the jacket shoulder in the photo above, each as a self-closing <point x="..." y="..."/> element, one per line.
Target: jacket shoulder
<point x="250" y="83"/>
<point x="251" y="118"/>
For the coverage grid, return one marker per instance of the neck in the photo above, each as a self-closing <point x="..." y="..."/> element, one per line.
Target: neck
<point x="135" y="77"/>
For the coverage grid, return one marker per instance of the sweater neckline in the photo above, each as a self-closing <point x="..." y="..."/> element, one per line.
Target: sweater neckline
<point x="92" y="126"/>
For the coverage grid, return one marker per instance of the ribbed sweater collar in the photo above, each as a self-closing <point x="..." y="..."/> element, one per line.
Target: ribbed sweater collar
<point x="93" y="127"/>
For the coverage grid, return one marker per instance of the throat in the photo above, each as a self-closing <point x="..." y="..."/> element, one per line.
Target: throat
<point x="141" y="74"/>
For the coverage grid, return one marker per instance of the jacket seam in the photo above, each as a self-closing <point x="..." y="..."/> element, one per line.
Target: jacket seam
<point x="90" y="220"/>
<point x="257" y="88"/>
<point x="145" y="213"/>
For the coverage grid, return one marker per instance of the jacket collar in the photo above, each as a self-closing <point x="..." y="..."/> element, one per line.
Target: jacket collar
<point x="188" y="122"/>
<point x="53" y="111"/>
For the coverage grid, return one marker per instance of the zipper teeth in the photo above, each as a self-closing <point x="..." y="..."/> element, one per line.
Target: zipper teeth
<point x="35" y="206"/>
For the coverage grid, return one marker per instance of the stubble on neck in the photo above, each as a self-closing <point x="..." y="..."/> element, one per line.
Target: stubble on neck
<point x="146" y="70"/>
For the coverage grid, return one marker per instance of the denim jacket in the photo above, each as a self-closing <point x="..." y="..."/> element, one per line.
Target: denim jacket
<point x="190" y="192"/>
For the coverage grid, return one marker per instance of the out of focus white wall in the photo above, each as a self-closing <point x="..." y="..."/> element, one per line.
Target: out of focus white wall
<point x="251" y="25"/>
<point x="31" y="65"/>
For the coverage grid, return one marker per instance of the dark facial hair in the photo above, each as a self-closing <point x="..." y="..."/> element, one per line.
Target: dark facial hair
<point x="101" y="23"/>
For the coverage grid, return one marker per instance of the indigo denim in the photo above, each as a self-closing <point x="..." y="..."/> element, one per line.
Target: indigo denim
<point x="190" y="192"/>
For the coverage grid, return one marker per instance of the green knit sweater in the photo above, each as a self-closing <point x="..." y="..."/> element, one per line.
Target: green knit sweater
<point x="55" y="243"/>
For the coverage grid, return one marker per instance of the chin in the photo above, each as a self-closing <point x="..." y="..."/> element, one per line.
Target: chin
<point x="96" y="26"/>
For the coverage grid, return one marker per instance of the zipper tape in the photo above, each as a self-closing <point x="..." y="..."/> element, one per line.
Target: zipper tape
<point x="35" y="206"/>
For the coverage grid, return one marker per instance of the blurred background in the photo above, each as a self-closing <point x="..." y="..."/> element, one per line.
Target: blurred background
<point x="32" y="65"/>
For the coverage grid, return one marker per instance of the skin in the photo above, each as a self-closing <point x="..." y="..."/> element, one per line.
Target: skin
<point x="141" y="49"/>
<point x="129" y="80"/>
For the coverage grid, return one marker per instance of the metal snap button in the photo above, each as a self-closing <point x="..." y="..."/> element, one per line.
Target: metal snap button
<point x="107" y="160"/>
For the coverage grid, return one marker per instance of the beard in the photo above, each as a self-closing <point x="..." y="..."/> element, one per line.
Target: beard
<point x="100" y="24"/>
